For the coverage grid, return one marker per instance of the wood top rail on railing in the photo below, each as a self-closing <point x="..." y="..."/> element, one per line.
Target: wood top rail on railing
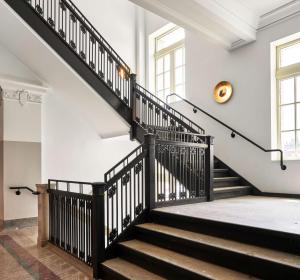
<point x="233" y="131"/>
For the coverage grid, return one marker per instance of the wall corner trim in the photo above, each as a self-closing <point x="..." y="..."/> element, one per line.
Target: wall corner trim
<point x="21" y="91"/>
<point x="278" y="15"/>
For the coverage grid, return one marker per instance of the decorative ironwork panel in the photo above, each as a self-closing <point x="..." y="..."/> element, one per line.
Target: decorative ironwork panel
<point x="125" y="197"/>
<point x="180" y="168"/>
<point x="70" y="218"/>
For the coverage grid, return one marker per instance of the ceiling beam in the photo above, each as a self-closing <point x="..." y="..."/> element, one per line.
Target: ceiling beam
<point x="223" y="21"/>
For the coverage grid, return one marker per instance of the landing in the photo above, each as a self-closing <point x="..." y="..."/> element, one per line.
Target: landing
<point x="278" y="214"/>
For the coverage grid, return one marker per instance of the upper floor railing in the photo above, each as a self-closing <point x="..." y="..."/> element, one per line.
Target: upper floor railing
<point x="79" y="35"/>
<point x="234" y="132"/>
<point x="63" y="17"/>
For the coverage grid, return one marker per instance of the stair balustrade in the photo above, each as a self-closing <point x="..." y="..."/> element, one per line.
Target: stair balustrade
<point x="87" y="220"/>
<point x="150" y="111"/>
<point x="70" y="217"/>
<point x="79" y="35"/>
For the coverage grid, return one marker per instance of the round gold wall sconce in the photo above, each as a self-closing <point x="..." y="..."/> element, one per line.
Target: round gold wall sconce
<point x="223" y="92"/>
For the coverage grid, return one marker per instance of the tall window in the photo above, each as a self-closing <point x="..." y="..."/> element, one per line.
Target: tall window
<point x="288" y="98"/>
<point x="170" y="63"/>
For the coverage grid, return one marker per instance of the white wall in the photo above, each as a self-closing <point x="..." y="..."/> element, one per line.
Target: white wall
<point x="20" y="140"/>
<point x="249" y="111"/>
<point x="22" y="123"/>
<point x="12" y="68"/>
<point x="115" y="20"/>
<point x="22" y="167"/>
<point x="72" y="149"/>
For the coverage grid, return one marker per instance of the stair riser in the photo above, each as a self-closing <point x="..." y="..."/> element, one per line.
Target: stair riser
<point x="236" y="261"/>
<point x="217" y="164"/>
<point x="261" y="237"/>
<point x="157" y="266"/>
<point x="227" y="183"/>
<point x="109" y="274"/>
<point x="219" y="174"/>
<point x="231" y="193"/>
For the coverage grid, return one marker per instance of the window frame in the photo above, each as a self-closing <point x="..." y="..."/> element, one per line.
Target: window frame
<point x="171" y="50"/>
<point x="281" y="74"/>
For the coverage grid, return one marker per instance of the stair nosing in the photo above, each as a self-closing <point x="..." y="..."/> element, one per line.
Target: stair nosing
<point x="229" y="178"/>
<point x="202" y="273"/>
<point x="218" y="246"/>
<point x="221" y="169"/>
<point x="107" y="265"/>
<point x="231" y="188"/>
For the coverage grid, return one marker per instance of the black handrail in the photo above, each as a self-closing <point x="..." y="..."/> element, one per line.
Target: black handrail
<point x="233" y="131"/>
<point x="18" y="192"/>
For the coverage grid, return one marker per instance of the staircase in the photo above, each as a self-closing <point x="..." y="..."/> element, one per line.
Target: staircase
<point x="125" y="237"/>
<point x="165" y="249"/>
<point x="79" y="43"/>
<point x="228" y="183"/>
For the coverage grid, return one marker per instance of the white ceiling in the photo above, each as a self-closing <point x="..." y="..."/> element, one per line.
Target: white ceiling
<point x="231" y="23"/>
<point x="261" y="7"/>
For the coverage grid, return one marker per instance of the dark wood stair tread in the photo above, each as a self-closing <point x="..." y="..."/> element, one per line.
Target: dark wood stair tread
<point x="225" y="244"/>
<point x="187" y="263"/>
<point x="129" y="270"/>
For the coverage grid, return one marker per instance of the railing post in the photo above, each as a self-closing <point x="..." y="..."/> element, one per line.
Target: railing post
<point x="98" y="228"/>
<point x="43" y="215"/>
<point x="209" y="168"/>
<point x="150" y="171"/>
<point x="133" y="104"/>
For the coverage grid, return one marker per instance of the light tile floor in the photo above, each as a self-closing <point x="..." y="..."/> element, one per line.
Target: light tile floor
<point x="21" y="259"/>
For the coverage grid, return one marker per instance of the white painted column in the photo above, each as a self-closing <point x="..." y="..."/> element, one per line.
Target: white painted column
<point x="140" y="46"/>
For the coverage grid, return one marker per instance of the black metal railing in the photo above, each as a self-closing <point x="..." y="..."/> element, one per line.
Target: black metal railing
<point x="63" y="17"/>
<point x="178" y="136"/>
<point x="120" y="202"/>
<point x="150" y="111"/>
<point x="88" y="219"/>
<point x="234" y="132"/>
<point x="179" y="172"/>
<point x="70" y="217"/>
<point x="125" y="195"/>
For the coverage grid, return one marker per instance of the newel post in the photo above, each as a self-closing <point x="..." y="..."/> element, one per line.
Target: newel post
<point x="209" y="168"/>
<point x="133" y="104"/>
<point x="98" y="228"/>
<point x="43" y="215"/>
<point x="150" y="171"/>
